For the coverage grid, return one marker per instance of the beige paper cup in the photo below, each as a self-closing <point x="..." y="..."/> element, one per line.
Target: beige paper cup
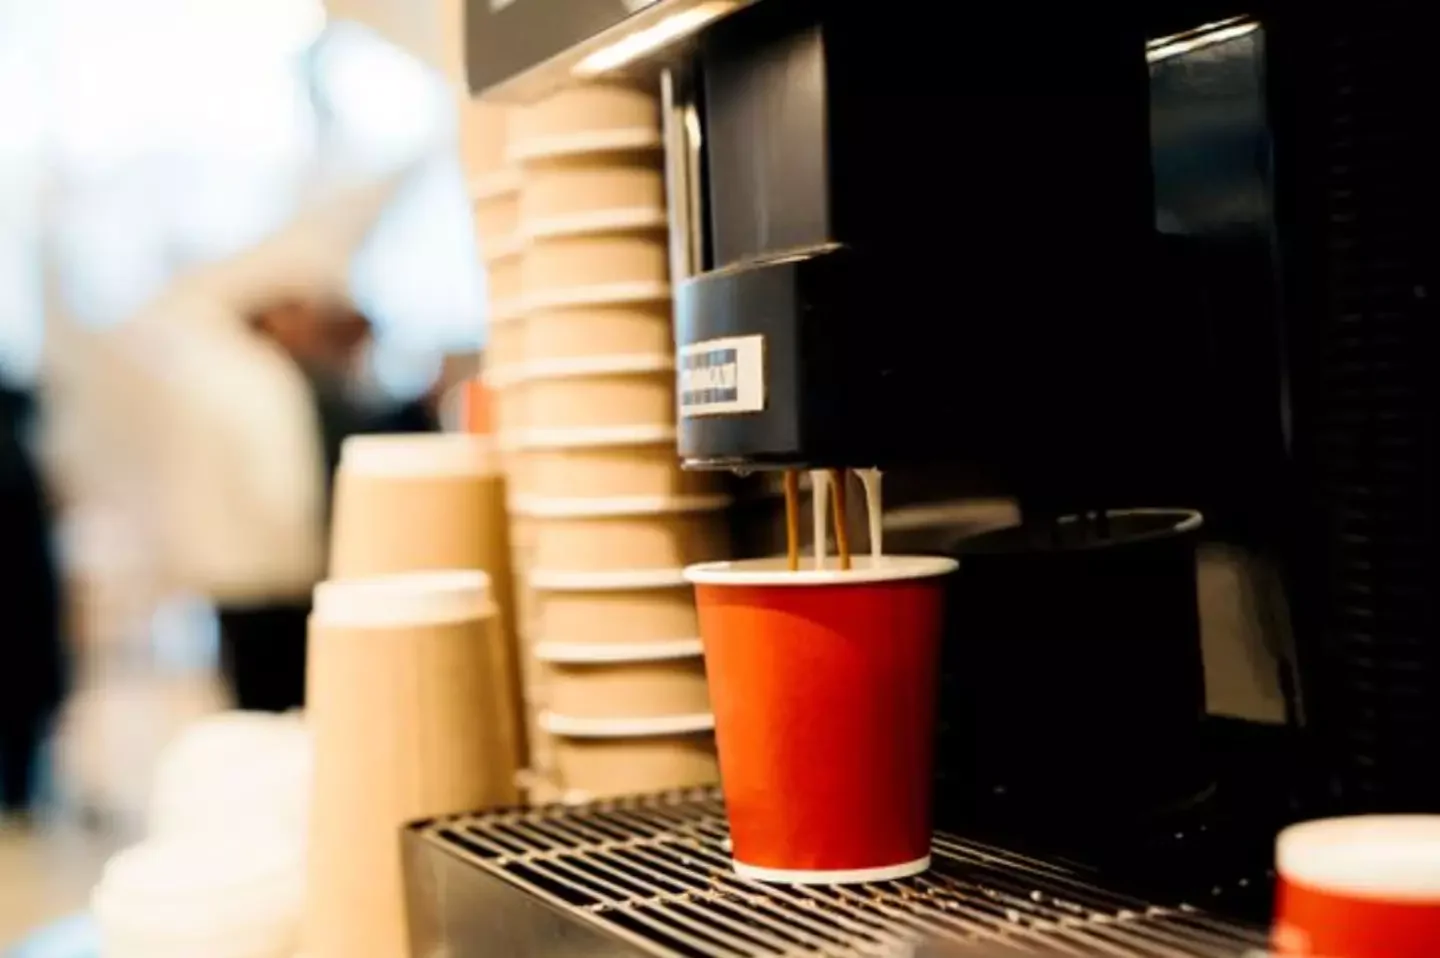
<point x="618" y="681"/>
<point x="508" y="345"/>
<point x="409" y="503"/>
<point x="502" y="182"/>
<point x="484" y="137"/>
<point x="599" y="294"/>
<point x="524" y="534"/>
<point x="430" y="502"/>
<point x="559" y="188"/>
<point x="539" y="677"/>
<point x="510" y="400"/>
<point x="408" y="719"/>
<point x="631" y="616"/>
<point x="497" y="224"/>
<point x="609" y="757"/>
<point x="608" y="392"/>
<point x="568" y="262"/>
<point x="645" y="535"/>
<point x="612" y="472"/>
<point x="626" y="329"/>
<point x="585" y="118"/>
<point x="520" y="474"/>
<point x="506" y="277"/>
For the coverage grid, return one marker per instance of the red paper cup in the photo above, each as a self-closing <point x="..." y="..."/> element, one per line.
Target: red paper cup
<point x="1365" y="887"/>
<point x="823" y="686"/>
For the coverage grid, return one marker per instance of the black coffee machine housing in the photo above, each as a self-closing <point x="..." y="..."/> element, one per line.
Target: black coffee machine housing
<point x="991" y="246"/>
<point x="912" y="251"/>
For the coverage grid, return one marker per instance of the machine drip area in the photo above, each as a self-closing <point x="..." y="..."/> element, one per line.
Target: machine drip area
<point x="1072" y="715"/>
<point x="1072" y="683"/>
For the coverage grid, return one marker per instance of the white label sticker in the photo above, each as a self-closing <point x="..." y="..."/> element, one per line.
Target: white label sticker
<point x="720" y="377"/>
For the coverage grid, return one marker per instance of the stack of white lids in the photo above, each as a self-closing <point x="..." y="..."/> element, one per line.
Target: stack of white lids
<point x="235" y="772"/>
<point x="218" y="896"/>
<point x="223" y="872"/>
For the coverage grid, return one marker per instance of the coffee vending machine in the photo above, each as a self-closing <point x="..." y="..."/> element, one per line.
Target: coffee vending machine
<point x="1161" y="277"/>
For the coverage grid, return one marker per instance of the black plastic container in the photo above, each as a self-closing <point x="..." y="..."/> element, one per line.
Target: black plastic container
<point x="1073" y="688"/>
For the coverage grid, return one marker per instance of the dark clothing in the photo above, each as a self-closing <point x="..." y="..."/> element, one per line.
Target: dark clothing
<point x="32" y="667"/>
<point x="20" y="742"/>
<point x="262" y="654"/>
<point x="262" y="649"/>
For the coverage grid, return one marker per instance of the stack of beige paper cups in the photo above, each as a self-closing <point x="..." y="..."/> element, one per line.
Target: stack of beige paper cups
<point x="404" y="724"/>
<point x="433" y="503"/>
<point x="494" y="181"/>
<point x="413" y="682"/>
<point x="604" y="518"/>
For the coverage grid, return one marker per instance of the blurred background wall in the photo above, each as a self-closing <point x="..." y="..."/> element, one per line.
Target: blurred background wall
<point x="144" y="142"/>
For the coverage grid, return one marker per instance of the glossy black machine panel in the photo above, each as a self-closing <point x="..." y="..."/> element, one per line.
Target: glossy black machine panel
<point x="917" y="246"/>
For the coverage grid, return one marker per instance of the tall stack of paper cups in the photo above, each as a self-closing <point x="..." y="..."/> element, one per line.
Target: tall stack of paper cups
<point x="605" y="518"/>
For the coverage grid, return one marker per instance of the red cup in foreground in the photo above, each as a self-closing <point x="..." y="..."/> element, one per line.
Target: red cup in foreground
<point x="823" y="685"/>
<point x="1364" y="887"/>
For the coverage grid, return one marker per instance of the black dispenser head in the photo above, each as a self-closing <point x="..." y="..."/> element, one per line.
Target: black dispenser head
<point x="907" y="250"/>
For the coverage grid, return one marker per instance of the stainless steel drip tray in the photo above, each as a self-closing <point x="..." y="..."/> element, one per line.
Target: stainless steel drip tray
<point x="651" y="876"/>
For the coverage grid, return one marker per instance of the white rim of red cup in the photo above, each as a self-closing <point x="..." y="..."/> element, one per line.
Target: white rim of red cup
<point x="774" y="571"/>
<point x="849" y="876"/>
<point x="1392" y="858"/>
<point x="571" y="726"/>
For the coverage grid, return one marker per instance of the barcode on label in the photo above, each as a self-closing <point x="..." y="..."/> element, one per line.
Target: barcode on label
<point x="722" y="376"/>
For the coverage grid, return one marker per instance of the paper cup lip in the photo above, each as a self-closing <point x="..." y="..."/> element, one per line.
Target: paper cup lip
<point x="595" y="221"/>
<point x="410" y="455"/>
<point x="410" y="598"/>
<point x="844" y="876"/>
<point x="540" y="507"/>
<point x="614" y="580"/>
<point x="500" y="377"/>
<point x="585" y="141"/>
<point x="573" y="727"/>
<point x="505" y="248"/>
<point x="508" y="310"/>
<point x="489" y="186"/>
<point x="595" y="437"/>
<point x="605" y="294"/>
<point x="1372" y="856"/>
<point x="773" y="572"/>
<point x="581" y="367"/>
<point x="592" y="653"/>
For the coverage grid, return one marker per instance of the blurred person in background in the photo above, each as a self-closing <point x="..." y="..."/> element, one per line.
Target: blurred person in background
<point x="263" y="646"/>
<point x="221" y="408"/>
<point x="31" y="649"/>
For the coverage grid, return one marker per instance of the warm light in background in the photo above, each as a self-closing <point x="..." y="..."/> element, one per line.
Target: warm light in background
<point x="149" y="136"/>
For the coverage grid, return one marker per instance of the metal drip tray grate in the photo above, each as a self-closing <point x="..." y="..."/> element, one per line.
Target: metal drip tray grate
<point x="654" y="875"/>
